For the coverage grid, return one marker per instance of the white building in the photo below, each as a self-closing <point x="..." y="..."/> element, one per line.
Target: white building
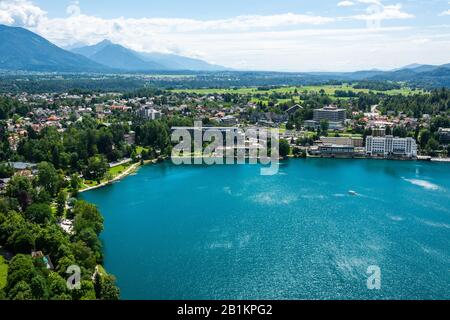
<point x="390" y="146"/>
<point x="149" y="113"/>
<point x="330" y="114"/>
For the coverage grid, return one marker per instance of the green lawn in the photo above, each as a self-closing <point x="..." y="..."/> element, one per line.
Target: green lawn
<point x="139" y="149"/>
<point x="115" y="171"/>
<point x="3" y="272"/>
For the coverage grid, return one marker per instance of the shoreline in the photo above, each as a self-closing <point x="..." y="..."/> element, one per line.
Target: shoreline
<point x="130" y="170"/>
<point x="133" y="168"/>
<point x="136" y="166"/>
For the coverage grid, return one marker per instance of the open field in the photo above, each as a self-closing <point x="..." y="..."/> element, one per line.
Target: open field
<point x="3" y="272"/>
<point x="111" y="173"/>
<point x="329" y="89"/>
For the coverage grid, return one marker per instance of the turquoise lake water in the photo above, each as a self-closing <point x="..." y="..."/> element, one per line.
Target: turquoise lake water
<point x="226" y="232"/>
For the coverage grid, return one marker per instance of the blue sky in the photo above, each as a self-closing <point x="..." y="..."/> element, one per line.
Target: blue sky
<point x="327" y="35"/>
<point x="427" y="10"/>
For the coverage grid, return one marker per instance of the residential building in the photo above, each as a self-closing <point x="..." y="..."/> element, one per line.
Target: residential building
<point x="149" y="113"/>
<point x="229" y="120"/>
<point x="130" y="138"/>
<point x="310" y="125"/>
<point x="292" y="110"/>
<point x="333" y="150"/>
<point x="330" y="114"/>
<point x="444" y="135"/>
<point x="390" y="146"/>
<point x="379" y="131"/>
<point x="344" y="141"/>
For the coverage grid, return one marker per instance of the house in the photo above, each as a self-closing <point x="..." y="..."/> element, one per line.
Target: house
<point x="310" y="125"/>
<point x="148" y="113"/>
<point x="335" y="150"/>
<point x="38" y="255"/>
<point x="292" y="110"/>
<point x="22" y="166"/>
<point x="228" y="120"/>
<point x="4" y="182"/>
<point x="444" y="135"/>
<point x="130" y="138"/>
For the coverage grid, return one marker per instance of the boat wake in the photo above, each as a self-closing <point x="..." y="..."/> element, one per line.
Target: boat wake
<point x="422" y="183"/>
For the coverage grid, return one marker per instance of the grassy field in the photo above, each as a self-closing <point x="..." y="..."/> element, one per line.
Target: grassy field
<point x="112" y="173"/>
<point x="115" y="171"/>
<point x="3" y="272"/>
<point x="139" y="149"/>
<point x="329" y="90"/>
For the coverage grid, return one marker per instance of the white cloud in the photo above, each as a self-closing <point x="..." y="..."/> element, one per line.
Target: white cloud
<point x="370" y="1"/>
<point x="383" y="12"/>
<point x="445" y="13"/>
<point x="74" y="9"/>
<point x="20" y="13"/>
<point x="285" y="42"/>
<point x="346" y="3"/>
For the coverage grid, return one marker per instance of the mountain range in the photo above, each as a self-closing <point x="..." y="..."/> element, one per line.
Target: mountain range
<point x="23" y="50"/>
<point x="118" y="57"/>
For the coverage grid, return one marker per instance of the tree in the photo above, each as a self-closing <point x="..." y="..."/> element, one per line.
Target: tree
<point x="90" y="238"/>
<point x="21" y="291"/>
<point x="39" y="287"/>
<point x="6" y="171"/>
<point x="22" y="240"/>
<point x="21" y="268"/>
<point x="432" y="146"/>
<point x="61" y="203"/>
<point x="284" y="148"/>
<point x="87" y="216"/>
<point x="105" y="287"/>
<point x="75" y="184"/>
<point x="96" y="168"/>
<point x="290" y="125"/>
<point x="48" y="178"/>
<point x="20" y="188"/>
<point x="324" y="126"/>
<point x="57" y="286"/>
<point x="86" y="292"/>
<point x="39" y="213"/>
<point x="84" y="255"/>
<point x="424" y="136"/>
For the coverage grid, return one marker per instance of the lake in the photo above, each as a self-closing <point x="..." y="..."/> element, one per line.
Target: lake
<point x="226" y="232"/>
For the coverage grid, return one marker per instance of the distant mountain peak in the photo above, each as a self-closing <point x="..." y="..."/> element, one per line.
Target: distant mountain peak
<point x="24" y="50"/>
<point x="105" y="42"/>
<point x="120" y="57"/>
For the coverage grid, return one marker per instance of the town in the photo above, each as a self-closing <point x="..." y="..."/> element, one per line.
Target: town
<point x="339" y="124"/>
<point x="56" y="145"/>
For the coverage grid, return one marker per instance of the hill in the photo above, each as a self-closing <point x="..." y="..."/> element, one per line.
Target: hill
<point x="24" y="50"/>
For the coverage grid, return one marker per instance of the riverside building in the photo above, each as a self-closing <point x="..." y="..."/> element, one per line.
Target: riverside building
<point x="390" y="146"/>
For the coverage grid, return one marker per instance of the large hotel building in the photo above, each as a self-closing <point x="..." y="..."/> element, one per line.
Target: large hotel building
<point x="390" y="146"/>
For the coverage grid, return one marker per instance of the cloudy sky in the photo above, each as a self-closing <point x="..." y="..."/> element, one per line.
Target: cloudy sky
<point x="281" y="35"/>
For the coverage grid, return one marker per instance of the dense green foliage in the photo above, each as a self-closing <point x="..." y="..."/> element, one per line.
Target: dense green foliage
<point x="73" y="149"/>
<point x="435" y="103"/>
<point x="35" y="229"/>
